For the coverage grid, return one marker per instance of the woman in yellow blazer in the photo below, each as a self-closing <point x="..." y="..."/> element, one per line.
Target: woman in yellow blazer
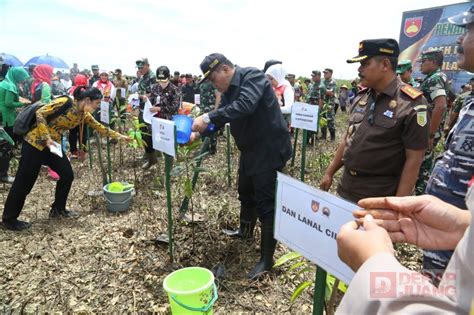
<point x="39" y="145"/>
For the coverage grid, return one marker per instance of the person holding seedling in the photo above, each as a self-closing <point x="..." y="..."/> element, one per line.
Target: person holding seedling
<point x="42" y="146"/>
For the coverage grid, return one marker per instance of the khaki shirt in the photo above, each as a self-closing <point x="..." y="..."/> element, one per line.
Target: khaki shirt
<point x="380" y="129"/>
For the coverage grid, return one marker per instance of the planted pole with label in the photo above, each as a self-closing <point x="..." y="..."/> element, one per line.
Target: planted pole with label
<point x="294" y="147"/>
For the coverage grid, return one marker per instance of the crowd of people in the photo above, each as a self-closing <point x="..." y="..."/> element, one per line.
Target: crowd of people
<point x="395" y="122"/>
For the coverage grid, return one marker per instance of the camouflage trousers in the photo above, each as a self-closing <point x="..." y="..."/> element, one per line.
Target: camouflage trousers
<point x="425" y="169"/>
<point x="330" y="124"/>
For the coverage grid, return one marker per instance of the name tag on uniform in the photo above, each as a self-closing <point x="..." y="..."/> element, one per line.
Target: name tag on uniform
<point x="388" y="113"/>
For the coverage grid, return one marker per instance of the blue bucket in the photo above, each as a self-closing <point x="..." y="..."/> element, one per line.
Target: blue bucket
<point x="183" y="128"/>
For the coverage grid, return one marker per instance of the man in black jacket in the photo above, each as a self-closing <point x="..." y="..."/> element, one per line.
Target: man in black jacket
<point x="250" y="106"/>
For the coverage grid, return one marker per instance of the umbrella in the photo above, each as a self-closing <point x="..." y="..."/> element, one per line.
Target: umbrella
<point x="54" y="62"/>
<point x="11" y="60"/>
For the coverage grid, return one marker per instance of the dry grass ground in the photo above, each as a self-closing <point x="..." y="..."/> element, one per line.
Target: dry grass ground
<point x="104" y="262"/>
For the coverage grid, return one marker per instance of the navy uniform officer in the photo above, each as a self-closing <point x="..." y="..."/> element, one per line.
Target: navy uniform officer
<point x="250" y="106"/>
<point x="388" y="130"/>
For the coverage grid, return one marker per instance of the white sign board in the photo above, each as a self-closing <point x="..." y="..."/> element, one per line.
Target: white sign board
<point x="163" y="137"/>
<point x="104" y="112"/>
<point x="147" y="115"/>
<point x="304" y="116"/>
<point x="197" y="99"/>
<point x="308" y="219"/>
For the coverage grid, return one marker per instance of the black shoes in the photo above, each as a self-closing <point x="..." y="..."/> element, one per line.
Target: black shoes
<point x="55" y="213"/>
<point x="7" y="179"/>
<point x="16" y="225"/>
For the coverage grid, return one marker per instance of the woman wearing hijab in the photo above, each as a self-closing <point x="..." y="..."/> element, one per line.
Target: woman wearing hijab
<point x="41" y="87"/>
<point x="41" y="147"/>
<point x="9" y="101"/>
<point x="79" y="80"/>
<point x="283" y="89"/>
<point x="41" y="91"/>
<point x="105" y="86"/>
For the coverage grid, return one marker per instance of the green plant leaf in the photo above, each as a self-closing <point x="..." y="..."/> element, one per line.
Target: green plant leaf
<point x="297" y="265"/>
<point x="287" y="257"/>
<point x="306" y="270"/>
<point x="301" y="287"/>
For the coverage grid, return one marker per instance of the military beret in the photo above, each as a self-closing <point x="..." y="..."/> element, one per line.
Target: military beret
<point x="463" y="19"/>
<point x="315" y="72"/>
<point x="95" y="67"/>
<point x="327" y="70"/>
<point x="403" y="66"/>
<point x="376" y="47"/>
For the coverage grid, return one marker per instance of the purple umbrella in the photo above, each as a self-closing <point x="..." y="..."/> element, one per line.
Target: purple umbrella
<point x="11" y="60"/>
<point x="54" y="62"/>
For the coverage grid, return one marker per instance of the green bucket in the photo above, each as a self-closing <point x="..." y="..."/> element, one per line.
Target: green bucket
<point x="191" y="291"/>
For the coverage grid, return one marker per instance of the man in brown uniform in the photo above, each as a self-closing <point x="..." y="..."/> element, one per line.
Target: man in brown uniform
<point x="388" y="130"/>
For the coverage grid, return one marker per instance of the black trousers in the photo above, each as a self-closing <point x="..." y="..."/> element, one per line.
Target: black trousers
<point x="74" y="138"/>
<point x="6" y="152"/>
<point x="28" y="170"/>
<point x="258" y="192"/>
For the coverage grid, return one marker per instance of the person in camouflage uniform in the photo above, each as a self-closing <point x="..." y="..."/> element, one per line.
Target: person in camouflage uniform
<point x="434" y="88"/>
<point x="457" y="106"/>
<point x="454" y="169"/>
<point x="26" y="90"/>
<point x="404" y="71"/>
<point x="316" y="92"/>
<point x="329" y="105"/>
<point x="145" y="84"/>
<point x="95" y="75"/>
<point x="208" y="102"/>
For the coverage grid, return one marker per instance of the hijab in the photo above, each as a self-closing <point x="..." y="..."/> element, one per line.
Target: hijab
<point x="13" y="77"/>
<point x="79" y="80"/>
<point x="41" y="73"/>
<point x="278" y="73"/>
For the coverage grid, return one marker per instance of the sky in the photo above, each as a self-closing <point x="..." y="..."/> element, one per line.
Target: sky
<point x="305" y="35"/>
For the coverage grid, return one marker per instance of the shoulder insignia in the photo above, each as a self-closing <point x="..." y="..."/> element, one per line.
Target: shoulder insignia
<point x="420" y="107"/>
<point x="411" y="91"/>
<point x="364" y="89"/>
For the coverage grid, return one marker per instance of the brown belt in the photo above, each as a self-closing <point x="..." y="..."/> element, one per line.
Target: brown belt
<point x="364" y="174"/>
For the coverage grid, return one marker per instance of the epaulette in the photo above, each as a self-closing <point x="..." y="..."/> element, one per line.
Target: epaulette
<point x="411" y="92"/>
<point x="364" y="89"/>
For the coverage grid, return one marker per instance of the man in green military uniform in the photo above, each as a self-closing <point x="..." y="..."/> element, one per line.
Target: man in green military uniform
<point x="147" y="79"/>
<point x="404" y="71"/>
<point x="316" y="92"/>
<point x="435" y="90"/>
<point x="209" y="101"/>
<point x="329" y="105"/>
<point x="95" y="74"/>
<point x="459" y="103"/>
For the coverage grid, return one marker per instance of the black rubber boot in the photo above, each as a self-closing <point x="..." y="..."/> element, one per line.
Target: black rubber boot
<point x="248" y="219"/>
<point x="333" y="135"/>
<point x="323" y="133"/>
<point x="267" y="249"/>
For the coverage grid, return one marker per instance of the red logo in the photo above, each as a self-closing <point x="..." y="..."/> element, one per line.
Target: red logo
<point x="413" y="26"/>
<point x="314" y="206"/>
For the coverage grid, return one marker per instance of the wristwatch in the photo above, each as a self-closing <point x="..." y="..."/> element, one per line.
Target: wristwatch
<point x="206" y="118"/>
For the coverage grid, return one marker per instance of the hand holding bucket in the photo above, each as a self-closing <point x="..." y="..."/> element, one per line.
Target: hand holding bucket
<point x="184" y="126"/>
